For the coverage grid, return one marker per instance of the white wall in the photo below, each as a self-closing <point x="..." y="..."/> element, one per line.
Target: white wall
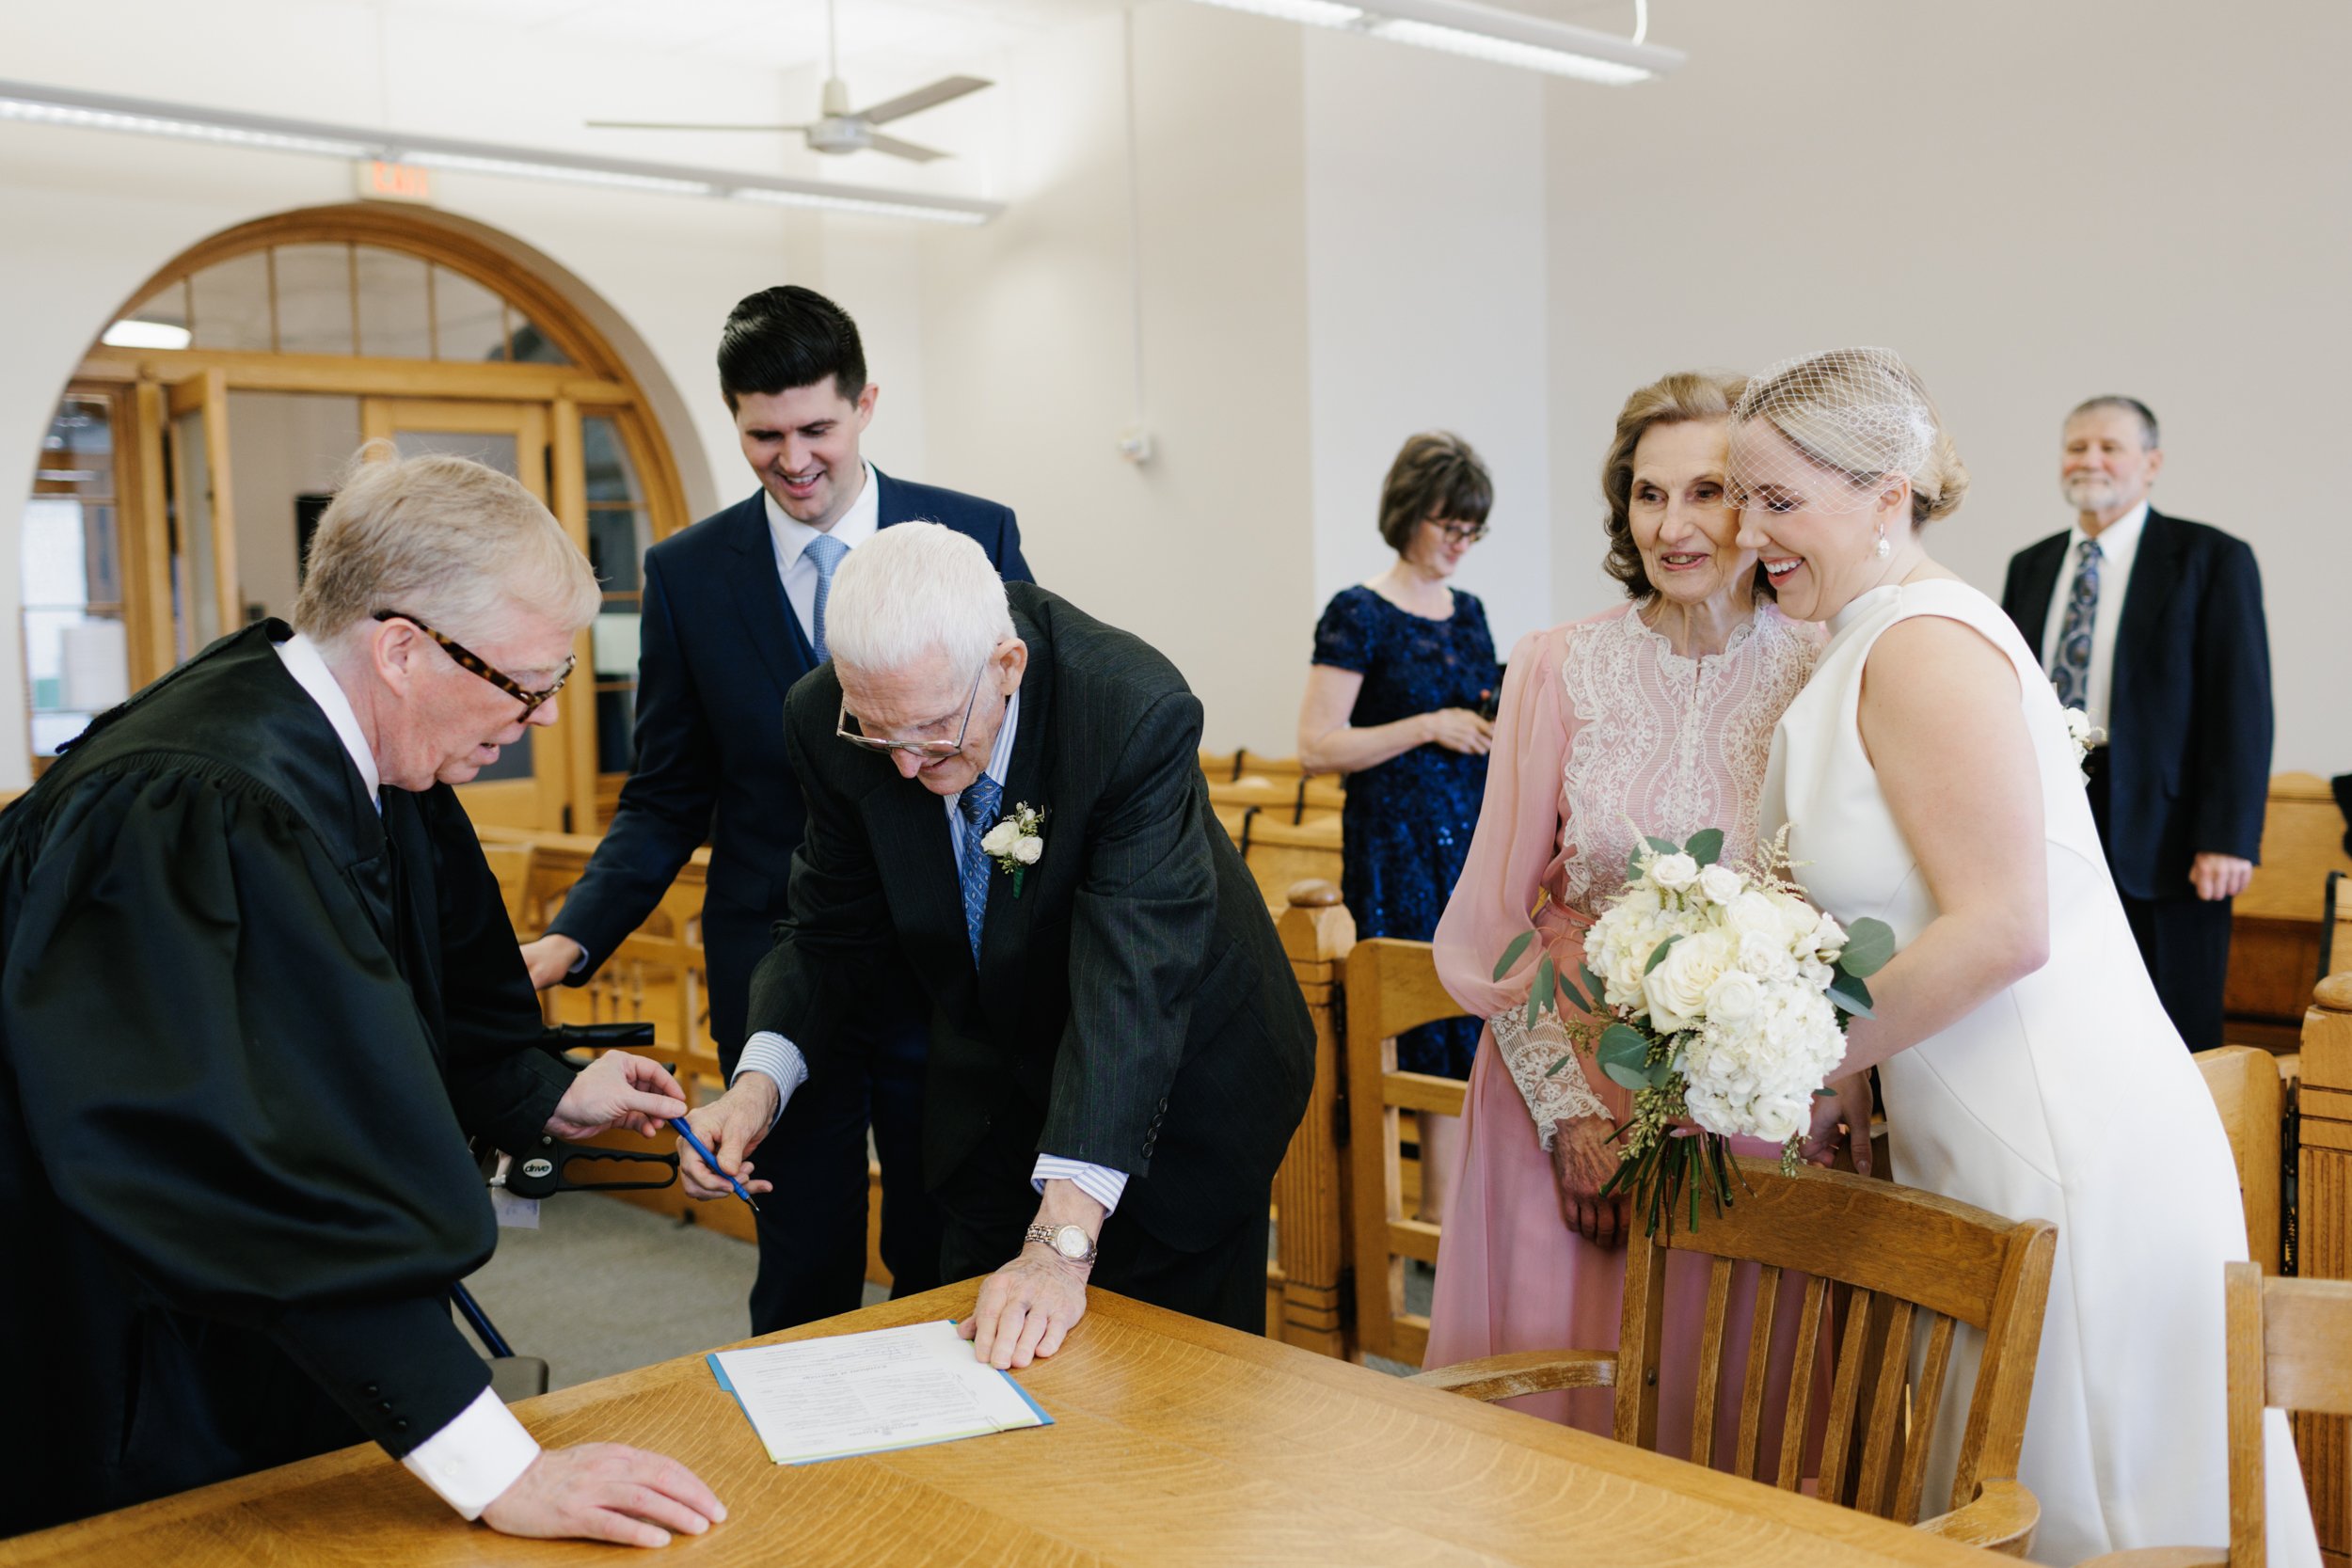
<point x="1426" y="294"/>
<point x="2033" y="202"/>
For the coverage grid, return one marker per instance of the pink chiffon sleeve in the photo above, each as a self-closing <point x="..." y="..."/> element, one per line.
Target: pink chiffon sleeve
<point x="1514" y="852"/>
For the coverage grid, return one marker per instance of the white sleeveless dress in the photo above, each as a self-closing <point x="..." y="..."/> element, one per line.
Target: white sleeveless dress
<point x="2067" y="1096"/>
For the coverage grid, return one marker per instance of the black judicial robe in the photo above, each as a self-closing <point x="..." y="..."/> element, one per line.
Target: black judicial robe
<point x="246" y="1028"/>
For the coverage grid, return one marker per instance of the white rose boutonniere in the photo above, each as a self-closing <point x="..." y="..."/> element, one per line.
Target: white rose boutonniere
<point x="1017" y="842"/>
<point x="2085" y="735"/>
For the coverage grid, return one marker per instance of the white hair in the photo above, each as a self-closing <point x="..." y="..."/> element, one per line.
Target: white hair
<point x="915" y="590"/>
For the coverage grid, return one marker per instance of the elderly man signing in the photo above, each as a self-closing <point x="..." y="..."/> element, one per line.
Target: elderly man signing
<point x="1007" y="793"/>
<point x="259" y="986"/>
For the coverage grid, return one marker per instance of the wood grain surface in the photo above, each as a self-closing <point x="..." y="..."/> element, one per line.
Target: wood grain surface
<point x="1174" y="1442"/>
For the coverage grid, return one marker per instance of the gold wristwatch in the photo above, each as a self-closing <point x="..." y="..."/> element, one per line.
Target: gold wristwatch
<point x="1069" y="1241"/>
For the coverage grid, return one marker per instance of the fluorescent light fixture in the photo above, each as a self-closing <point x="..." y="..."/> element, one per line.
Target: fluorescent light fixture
<point x="31" y="104"/>
<point x="131" y="332"/>
<point x="1481" y="32"/>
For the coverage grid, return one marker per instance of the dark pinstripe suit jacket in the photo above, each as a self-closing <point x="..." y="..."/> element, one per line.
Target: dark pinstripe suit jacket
<point x="1133" y="1005"/>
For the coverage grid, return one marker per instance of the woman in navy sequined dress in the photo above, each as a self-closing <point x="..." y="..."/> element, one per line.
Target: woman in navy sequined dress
<point x="1400" y="699"/>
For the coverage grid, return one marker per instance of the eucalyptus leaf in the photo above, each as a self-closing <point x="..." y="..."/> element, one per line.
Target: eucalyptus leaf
<point x="1657" y="954"/>
<point x="1849" y="994"/>
<point x="1553" y="1070"/>
<point x="1660" y="1074"/>
<point x="1571" y="997"/>
<point x="1593" y="988"/>
<point x="1706" y="845"/>
<point x="1534" y="1006"/>
<point x="1868" y="944"/>
<point x="1632" y="1078"/>
<point x="1663" y="845"/>
<point x="1545" y="978"/>
<point x="1627" y="1047"/>
<point x="1510" y="953"/>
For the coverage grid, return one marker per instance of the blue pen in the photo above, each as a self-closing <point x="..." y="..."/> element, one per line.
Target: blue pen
<point x="709" y="1159"/>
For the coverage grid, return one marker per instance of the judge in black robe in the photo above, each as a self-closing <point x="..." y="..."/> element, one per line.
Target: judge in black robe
<point x="247" y="1026"/>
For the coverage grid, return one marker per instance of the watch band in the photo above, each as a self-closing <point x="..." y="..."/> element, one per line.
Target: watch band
<point x="1053" y="1236"/>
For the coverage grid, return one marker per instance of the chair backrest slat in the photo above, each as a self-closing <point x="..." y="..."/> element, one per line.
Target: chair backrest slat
<point x="1927" y="1401"/>
<point x="1640" y="1340"/>
<point x="1845" y="1395"/>
<point x="1711" y="1367"/>
<point x="1792" y="1431"/>
<point x="1882" y="1431"/>
<point x="1745" y="1456"/>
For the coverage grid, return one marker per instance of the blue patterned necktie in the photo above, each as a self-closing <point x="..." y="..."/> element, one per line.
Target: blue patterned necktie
<point x="2070" y="665"/>
<point x="827" y="552"/>
<point x="979" y="805"/>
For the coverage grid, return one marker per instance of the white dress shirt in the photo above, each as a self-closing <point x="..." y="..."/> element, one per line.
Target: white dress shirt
<point x="781" y="1060"/>
<point x="790" y="538"/>
<point x="483" y="1450"/>
<point x="2119" y="546"/>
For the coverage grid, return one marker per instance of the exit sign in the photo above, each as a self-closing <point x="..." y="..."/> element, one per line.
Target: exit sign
<point x="380" y="180"/>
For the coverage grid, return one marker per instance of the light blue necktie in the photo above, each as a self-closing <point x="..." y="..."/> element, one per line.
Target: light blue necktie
<point x="978" y="805"/>
<point x="2070" y="667"/>
<point x="827" y="552"/>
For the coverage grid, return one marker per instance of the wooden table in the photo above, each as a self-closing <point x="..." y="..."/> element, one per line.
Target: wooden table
<point x="1175" y="1442"/>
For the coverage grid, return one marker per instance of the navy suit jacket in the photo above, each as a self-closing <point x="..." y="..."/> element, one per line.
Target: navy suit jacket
<point x="2188" y="760"/>
<point x="720" y="648"/>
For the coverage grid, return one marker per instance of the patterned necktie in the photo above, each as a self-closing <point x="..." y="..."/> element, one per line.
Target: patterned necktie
<point x="827" y="552"/>
<point x="2070" y="665"/>
<point x="979" y="805"/>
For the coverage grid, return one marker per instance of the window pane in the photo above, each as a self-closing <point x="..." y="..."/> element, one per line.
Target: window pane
<point x="611" y="477"/>
<point x="532" y="346"/>
<point x="77" y="455"/>
<point x="469" y="320"/>
<point x="315" y="299"/>
<point x="393" y="319"/>
<point x="616" y="725"/>
<point x="617" y="538"/>
<point x="231" y="301"/>
<point x="612" y="642"/>
<point x="159" y="321"/>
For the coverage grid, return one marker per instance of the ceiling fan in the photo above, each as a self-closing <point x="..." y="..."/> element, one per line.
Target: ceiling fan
<point x="839" y="128"/>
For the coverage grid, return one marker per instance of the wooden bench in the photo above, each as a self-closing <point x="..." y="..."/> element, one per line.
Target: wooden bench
<point x="2276" y="925"/>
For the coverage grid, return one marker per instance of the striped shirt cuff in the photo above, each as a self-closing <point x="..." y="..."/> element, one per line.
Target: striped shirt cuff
<point x="779" y="1058"/>
<point x="1099" y="1183"/>
<point x="482" y="1452"/>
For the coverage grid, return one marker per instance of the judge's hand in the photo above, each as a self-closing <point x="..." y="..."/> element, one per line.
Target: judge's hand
<point x="1582" y="1160"/>
<point x="1841" y="1116"/>
<point x="618" y="1090"/>
<point x="604" y="1492"/>
<point x="730" y="1127"/>
<point x="2218" y="877"/>
<point x="1457" y="729"/>
<point x="550" y="958"/>
<point x="1028" y="1307"/>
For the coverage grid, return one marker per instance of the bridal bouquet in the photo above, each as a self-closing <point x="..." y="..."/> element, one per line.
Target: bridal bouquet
<point x="1714" y="993"/>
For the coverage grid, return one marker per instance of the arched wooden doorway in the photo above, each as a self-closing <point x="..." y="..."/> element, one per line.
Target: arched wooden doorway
<point x="196" y="443"/>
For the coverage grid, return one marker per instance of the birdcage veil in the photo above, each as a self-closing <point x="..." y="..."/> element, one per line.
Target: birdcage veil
<point x="1822" y="431"/>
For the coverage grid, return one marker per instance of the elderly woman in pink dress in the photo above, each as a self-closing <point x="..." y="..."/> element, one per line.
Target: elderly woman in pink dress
<point x="1654" y="718"/>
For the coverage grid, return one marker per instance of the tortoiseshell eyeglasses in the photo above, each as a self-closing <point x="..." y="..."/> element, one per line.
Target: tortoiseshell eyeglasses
<point x="467" y="660"/>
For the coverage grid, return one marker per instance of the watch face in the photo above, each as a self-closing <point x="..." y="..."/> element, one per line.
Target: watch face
<point x="1071" y="1242"/>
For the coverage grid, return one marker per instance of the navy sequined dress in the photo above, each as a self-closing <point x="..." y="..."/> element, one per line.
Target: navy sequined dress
<point x="1407" y="825"/>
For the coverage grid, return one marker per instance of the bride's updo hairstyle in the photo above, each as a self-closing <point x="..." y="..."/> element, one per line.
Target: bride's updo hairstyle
<point x="1826" y="431"/>
<point x="1683" y="398"/>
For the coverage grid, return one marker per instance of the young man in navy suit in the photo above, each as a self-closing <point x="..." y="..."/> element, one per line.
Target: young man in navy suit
<point x="2152" y="626"/>
<point x="734" y="613"/>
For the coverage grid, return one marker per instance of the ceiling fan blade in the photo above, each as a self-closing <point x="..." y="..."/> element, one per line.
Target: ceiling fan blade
<point x="671" y="125"/>
<point x="912" y="152"/>
<point x="947" y="89"/>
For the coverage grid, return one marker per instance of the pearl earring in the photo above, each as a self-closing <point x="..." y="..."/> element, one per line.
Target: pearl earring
<point x="1885" y="550"/>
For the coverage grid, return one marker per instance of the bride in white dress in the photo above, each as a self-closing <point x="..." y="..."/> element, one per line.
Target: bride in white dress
<point x="1926" y="777"/>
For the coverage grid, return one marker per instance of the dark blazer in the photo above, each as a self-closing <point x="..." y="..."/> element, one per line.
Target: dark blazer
<point x="1131" y="1005"/>
<point x="247" y="1028"/>
<point x="2188" y="763"/>
<point x="720" y="646"/>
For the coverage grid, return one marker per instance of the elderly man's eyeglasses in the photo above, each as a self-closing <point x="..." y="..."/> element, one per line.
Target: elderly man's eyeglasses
<point x="467" y="659"/>
<point x="1460" y="533"/>
<point x="846" y="727"/>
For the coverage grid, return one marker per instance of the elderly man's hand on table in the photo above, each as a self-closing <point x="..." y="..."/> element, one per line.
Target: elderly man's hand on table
<point x="605" y="1492"/>
<point x="1028" y="1307"/>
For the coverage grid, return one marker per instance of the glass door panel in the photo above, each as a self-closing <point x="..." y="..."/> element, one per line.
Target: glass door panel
<point x="527" y="787"/>
<point x="207" y="599"/>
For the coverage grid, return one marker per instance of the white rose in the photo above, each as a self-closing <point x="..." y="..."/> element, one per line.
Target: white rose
<point x="1676" y="988"/>
<point x="1719" y="884"/>
<point x="1763" y="957"/>
<point x="1000" y="838"/>
<point x="1777" y="1118"/>
<point x="1673" y="872"/>
<point x="1027" y="850"/>
<point x="1755" y="911"/>
<point x="1733" y="998"/>
<point x="1829" y="937"/>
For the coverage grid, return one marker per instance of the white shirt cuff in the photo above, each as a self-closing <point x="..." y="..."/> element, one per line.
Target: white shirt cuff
<point x="779" y="1058"/>
<point x="1099" y="1183"/>
<point x="481" y="1453"/>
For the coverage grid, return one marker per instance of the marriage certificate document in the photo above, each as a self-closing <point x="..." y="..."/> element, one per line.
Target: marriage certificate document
<point x="868" y="1393"/>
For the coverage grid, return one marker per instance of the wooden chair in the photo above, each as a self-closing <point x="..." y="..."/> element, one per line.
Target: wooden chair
<point x="1280" y="855"/>
<point x="1909" y="1264"/>
<point x="2335" y="933"/>
<point x="2290" y="1348"/>
<point x="2244" y="1082"/>
<point x="1391" y="986"/>
<point x="1296" y="799"/>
